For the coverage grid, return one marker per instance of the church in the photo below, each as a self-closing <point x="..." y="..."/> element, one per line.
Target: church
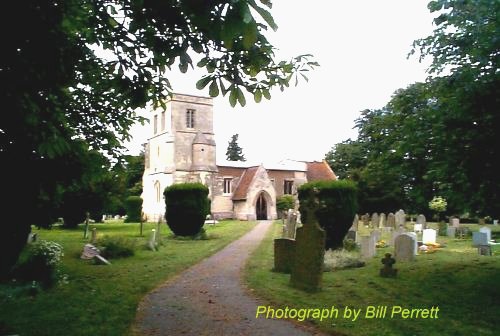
<point x="181" y="148"/>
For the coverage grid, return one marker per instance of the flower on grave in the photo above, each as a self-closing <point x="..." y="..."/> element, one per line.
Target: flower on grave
<point x="381" y="243"/>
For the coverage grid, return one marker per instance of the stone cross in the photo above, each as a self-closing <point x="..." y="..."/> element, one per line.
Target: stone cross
<point x="307" y="268"/>
<point x="387" y="271"/>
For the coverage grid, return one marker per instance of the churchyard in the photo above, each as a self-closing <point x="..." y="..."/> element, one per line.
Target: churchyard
<point x="453" y="274"/>
<point x="93" y="299"/>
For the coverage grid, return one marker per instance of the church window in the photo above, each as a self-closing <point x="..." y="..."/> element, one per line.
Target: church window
<point x="287" y="187"/>
<point x="190" y="118"/>
<point x="158" y="191"/>
<point x="227" y="185"/>
<point x="163" y="121"/>
<point x="155" y="124"/>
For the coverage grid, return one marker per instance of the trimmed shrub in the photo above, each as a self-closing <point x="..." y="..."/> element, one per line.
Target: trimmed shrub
<point x="341" y="259"/>
<point x="187" y="206"/>
<point x="337" y="206"/>
<point x="133" y="207"/>
<point x="116" y="247"/>
<point x="285" y="202"/>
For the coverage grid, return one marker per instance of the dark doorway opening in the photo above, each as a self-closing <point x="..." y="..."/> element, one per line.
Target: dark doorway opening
<point x="261" y="207"/>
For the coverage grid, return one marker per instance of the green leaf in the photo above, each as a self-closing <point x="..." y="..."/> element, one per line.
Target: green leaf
<point x="213" y="89"/>
<point x="233" y="96"/>
<point x="264" y="14"/>
<point x="266" y="94"/>
<point x="183" y="67"/>
<point x="200" y="85"/>
<point x="202" y="62"/>
<point x="257" y="96"/>
<point x="249" y="36"/>
<point x="241" y="98"/>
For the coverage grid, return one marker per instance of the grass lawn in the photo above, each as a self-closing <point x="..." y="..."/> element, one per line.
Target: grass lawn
<point x="102" y="300"/>
<point x="464" y="285"/>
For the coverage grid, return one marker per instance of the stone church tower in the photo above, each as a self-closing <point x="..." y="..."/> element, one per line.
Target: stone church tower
<point x="181" y="149"/>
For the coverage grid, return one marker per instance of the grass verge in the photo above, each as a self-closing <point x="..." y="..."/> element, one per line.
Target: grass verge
<point x="462" y="284"/>
<point x="102" y="300"/>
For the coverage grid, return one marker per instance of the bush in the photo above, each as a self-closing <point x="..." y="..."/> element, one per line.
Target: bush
<point x="285" y="202"/>
<point x="39" y="262"/>
<point x="116" y="247"/>
<point x="349" y="245"/>
<point x="337" y="206"/>
<point x="442" y="228"/>
<point x="187" y="206"/>
<point x="341" y="259"/>
<point x="133" y="207"/>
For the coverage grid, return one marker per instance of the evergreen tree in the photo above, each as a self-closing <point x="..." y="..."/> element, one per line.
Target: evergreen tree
<point x="234" y="151"/>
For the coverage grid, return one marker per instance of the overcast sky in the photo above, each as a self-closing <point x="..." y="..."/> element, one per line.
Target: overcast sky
<point x="362" y="47"/>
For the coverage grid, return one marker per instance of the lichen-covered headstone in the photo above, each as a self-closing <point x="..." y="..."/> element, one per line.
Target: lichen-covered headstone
<point x="307" y="269"/>
<point x="284" y="249"/>
<point x="291" y="224"/>
<point x="368" y="247"/>
<point x="404" y="248"/>
<point x="395" y="234"/>
<point x="391" y="220"/>
<point x="375" y="220"/>
<point x="387" y="271"/>
<point x="421" y="220"/>
<point x="400" y="218"/>
<point x="382" y="221"/>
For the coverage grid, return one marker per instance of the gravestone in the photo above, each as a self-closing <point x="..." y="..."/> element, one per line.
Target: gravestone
<point x="284" y="249"/>
<point x="422" y="221"/>
<point x="351" y="235"/>
<point x="375" y="235"/>
<point x="391" y="220"/>
<point x="92" y="252"/>
<point x="486" y="230"/>
<point x="383" y="220"/>
<point x="451" y="231"/>
<point x="400" y="218"/>
<point x="152" y="240"/>
<point x="367" y="247"/>
<point x="479" y="238"/>
<point x="395" y="234"/>
<point x="454" y="222"/>
<point x="355" y="223"/>
<point x="32" y="237"/>
<point x="417" y="228"/>
<point x="308" y="261"/>
<point x="375" y="220"/>
<point x="366" y="220"/>
<point x="429" y="236"/>
<point x="484" y="250"/>
<point x="387" y="271"/>
<point x="414" y="235"/>
<point x="495" y="222"/>
<point x="291" y="224"/>
<point x="93" y="236"/>
<point x="404" y="247"/>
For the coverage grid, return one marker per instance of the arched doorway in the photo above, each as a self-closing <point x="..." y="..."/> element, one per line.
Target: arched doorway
<point x="261" y="207"/>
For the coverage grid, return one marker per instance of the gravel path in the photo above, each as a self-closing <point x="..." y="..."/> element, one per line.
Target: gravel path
<point x="208" y="299"/>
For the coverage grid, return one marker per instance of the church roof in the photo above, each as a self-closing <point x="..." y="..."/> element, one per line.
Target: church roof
<point x="241" y="190"/>
<point x="319" y="171"/>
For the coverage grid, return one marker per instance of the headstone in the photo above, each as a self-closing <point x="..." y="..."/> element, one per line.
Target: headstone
<point x="451" y="231"/>
<point x="32" y="237"/>
<point x="495" y="222"/>
<point x="291" y="224"/>
<point x="454" y="222"/>
<point x="93" y="236"/>
<point x="103" y="218"/>
<point x="307" y="268"/>
<point x="351" y="235"/>
<point x="387" y="271"/>
<point x="404" y="248"/>
<point x="486" y="230"/>
<point x="462" y="232"/>
<point x="355" y="223"/>
<point x="422" y="221"/>
<point x="417" y="228"/>
<point x="382" y="221"/>
<point x="152" y="240"/>
<point x="92" y="252"/>
<point x="366" y="220"/>
<point x="484" y="250"/>
<point x="429" y="236"/>
<point x="395" y="234"/>
<point x="391" y="220"/>
<point x="479" y="238"/>
<point x="400" y="218"/>
<point x="375" y="235"/>
<point x="375" y="220"/>
<point x="284" y="249"/>
<point x="367" y="247"/>
<point x="414" y="235"/>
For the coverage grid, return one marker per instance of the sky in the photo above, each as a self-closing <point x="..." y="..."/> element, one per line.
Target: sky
<point x="362" y="49"/>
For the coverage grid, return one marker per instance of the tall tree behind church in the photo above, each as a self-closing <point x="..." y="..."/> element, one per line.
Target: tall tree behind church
<point x="234" y="151"/>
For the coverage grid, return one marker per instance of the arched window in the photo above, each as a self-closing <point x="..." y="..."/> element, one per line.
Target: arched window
<point x="158" y="191"/>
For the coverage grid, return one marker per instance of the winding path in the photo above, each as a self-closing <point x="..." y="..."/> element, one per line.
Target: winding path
<point x="208" y="299"/>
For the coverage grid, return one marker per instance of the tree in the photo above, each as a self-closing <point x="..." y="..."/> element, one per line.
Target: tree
<point x="58" y="91"/>
<point x="234" y="151"/>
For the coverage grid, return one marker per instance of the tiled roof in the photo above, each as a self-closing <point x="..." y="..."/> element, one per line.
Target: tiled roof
<point x="319" y="171"/>
<point x="241" y="190"/>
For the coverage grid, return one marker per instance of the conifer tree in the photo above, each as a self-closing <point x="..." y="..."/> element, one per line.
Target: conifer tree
<point x="234" y="151"/>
